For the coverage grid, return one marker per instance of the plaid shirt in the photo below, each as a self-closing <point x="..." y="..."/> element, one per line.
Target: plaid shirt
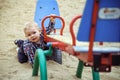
<point x="29" y="48"/>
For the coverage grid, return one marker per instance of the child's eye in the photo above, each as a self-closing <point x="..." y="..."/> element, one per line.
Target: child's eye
<point x="34" y="32"/>
<point x="28" y="35"/>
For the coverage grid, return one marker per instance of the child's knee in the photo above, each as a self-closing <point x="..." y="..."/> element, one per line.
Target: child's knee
<point x="22" y="58"/>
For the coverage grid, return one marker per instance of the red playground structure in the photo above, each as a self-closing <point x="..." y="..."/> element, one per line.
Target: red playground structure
<point x="100" y="23"/>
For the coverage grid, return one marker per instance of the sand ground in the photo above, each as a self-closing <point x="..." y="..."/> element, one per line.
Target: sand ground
<point x="13" y="15"/>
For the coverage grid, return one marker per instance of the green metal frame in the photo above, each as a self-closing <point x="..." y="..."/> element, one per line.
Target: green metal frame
<point x="80" y="69"/>
<point x="40" y="59"/>
<point x="40" y="62"/>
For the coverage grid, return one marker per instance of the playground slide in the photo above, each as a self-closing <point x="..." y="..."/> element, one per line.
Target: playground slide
<point x="45" y="8"/>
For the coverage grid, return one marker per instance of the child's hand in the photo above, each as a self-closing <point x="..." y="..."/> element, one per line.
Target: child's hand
<point x="31" y="65"/>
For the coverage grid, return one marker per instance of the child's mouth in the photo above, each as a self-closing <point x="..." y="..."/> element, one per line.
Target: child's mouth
<point x="34" y="39"/>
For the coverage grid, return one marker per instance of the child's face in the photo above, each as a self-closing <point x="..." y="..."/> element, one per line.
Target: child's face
<point x="33" y="34"/>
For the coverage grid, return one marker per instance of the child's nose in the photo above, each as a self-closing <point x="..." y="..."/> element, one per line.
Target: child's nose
<point x="32" y="35"/>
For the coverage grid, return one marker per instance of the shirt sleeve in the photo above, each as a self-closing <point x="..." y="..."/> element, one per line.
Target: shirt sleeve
<point x="28" y="50"/>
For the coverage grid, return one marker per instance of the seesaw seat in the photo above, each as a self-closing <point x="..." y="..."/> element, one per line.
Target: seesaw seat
<point x="84" y="46"/>
<point x="67" y="39"/>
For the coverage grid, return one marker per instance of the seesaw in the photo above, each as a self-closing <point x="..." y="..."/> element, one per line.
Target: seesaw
<point x="80" y="51"/>
<point x="100" y="58"/>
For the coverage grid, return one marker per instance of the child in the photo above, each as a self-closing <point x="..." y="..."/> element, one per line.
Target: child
<point x="35" y="40"/>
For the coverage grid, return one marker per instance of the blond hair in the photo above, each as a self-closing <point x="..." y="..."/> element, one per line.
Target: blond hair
<point x="30" y="25"/>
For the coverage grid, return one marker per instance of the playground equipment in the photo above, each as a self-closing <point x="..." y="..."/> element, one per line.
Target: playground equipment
<point x="45" y="8"/>
<point x="97" y="26"/>
<point x="101" y="25"/>
<point x="41" y="60"/>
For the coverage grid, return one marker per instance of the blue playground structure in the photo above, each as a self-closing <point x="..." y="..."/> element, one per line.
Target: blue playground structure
<point x="100" y="23"/>
<point x="45" y="8"/>
<point x="107" y="29"/>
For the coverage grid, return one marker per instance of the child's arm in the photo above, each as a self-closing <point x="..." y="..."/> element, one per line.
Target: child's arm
<point x="29" y="50"/>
